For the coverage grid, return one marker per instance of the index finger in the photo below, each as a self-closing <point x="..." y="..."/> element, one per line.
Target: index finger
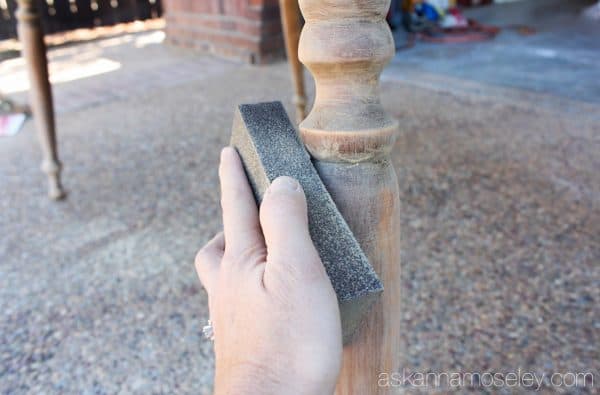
<point x="240" y="213"/>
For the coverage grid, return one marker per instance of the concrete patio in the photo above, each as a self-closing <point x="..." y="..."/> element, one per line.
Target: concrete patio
<point x="500" y="192"/>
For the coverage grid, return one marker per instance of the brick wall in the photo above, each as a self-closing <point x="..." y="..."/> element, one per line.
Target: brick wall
<point x="249" y="30"/>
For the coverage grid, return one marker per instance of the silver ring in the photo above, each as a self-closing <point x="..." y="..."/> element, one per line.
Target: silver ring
<point x="208" y="331"/>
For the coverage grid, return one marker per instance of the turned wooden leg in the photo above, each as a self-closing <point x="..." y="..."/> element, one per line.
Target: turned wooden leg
<point x="345" y="44"/>
<point x="34" y="52"/>
<point x="290" y="20"/>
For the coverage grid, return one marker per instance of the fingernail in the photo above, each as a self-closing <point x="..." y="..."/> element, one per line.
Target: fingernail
<point x="284" y="184"/>
<point x="226" y="151"/>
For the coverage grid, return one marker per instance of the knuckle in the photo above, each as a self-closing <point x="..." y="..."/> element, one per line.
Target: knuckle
<point x="199" y="257"/>
<point x="251" y="255"/>
<point x="202" y="258"/>
<point x="304" y="268"/>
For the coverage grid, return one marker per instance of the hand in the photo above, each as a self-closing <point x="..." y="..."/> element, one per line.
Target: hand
<point x="273" y="309"/>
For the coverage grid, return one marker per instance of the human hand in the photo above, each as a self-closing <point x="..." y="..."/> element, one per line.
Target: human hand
<point x="273" y="310"/>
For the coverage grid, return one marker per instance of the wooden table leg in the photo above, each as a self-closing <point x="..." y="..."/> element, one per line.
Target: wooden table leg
<point x="290" y="20"/>
<point x="345" y="44"/>
<point x="34" y="52"/>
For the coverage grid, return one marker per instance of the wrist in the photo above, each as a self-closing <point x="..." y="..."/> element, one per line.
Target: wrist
<point x="264" y="381"/>
<point x="244" y="378"/>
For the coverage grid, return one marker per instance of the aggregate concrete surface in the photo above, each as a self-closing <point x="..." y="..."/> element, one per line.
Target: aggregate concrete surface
<point x="500" y="191"/>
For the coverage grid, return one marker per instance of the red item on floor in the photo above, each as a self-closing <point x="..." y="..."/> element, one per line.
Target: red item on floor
<point x="10" y="124"/>
<point x="474" y="31"/>
<point x="470" y="3"/>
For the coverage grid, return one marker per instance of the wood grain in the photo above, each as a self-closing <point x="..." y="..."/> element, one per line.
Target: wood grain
<point x="40" y="94"/>
<point x="290" y="21"/>
<point x="345" y="44"/>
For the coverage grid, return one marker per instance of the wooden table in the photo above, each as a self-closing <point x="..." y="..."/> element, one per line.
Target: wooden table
<point x="40" y="93"/>
<point x="31" y="36"/>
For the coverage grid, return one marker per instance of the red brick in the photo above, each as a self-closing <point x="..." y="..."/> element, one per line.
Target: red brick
<point x="249" y="30"/>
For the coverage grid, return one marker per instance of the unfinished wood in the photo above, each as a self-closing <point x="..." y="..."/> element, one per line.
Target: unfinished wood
<point x="290" y="21"/>
<point x="345" y="44"/>
<point x="34" y="53"/>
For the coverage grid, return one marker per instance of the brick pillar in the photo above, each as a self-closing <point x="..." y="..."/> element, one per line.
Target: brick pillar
<point x="249" y="30"/>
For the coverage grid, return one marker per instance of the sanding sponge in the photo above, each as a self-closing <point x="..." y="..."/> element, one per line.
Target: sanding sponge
<point x="270" y="147"/>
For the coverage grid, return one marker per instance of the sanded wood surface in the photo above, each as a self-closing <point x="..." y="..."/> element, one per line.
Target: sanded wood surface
<point x="345" y="44"/>
<point x="290" y="21"/>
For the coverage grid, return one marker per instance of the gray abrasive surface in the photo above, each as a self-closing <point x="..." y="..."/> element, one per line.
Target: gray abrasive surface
<point x="270" y="147"/>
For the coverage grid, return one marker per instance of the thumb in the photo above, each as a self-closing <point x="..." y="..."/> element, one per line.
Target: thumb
<point x="284" y="221"/>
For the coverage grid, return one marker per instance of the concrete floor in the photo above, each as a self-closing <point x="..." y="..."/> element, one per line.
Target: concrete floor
<point x="560" y="59"/>
<point x="500" y="192"/>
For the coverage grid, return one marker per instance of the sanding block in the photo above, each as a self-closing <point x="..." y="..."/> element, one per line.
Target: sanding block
<point x="270" y="147"/>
